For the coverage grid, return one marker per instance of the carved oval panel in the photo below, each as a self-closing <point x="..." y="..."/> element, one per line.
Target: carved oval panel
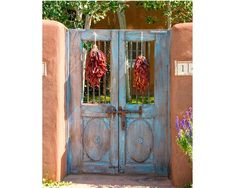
<point x="139" y="140"/>
<point x="96" y="139"/>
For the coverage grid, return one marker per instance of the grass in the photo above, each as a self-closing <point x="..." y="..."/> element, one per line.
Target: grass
<point x="54" y="184"/>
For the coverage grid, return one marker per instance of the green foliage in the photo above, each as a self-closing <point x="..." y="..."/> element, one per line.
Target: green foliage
<point x="133" y="101"/>
<point x="151" y="20"/>
<point x="72" y="13"/>
<point x="146" y="100"/>
<point x="185" y="143"/>
<point x="87" y="45"/>
<point x="54" y="184"/>
<point x="188" y="186"/>
<point x="173" y="11"/>
<point x="65" y="12"/>
<point x="102" y="99"/>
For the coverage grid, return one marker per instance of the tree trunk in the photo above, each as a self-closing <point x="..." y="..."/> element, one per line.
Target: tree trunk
<point x="88" y="22"/>
<point x="169" y="16"/>
<point x="122" y="19"/>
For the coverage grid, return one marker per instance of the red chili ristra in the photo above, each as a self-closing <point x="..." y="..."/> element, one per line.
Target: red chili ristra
<point x="96" y="66"/>
<point x="141" y="74"/>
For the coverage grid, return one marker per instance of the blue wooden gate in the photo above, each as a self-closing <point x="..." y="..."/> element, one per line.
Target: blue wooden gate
<point x="115" y="129"/>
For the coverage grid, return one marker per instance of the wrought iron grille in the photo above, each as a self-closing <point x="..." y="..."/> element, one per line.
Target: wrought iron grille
<point x="102" y="94"/>
<point x="94" y="94"/>
<point x="134" y="49"/>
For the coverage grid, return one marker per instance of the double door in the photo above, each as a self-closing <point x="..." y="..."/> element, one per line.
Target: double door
<point x="115" y="128"/>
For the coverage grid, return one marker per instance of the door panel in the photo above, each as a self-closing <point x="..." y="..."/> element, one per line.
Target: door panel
<point x="138" y="147"/>
<point x="143" y="143"/>
<point x="99" y="131"/>
<point x="99" y="153"/>
<point x="139" y="139"/>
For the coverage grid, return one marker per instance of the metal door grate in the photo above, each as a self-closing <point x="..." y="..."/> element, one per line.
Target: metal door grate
<point x="94" y="94"/>
<point x="133" y="49"/>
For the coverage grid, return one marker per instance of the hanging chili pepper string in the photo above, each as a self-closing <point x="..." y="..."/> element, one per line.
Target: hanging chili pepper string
<point x="96" y="66"/>
<point x="141" y="38"/>
<point x="95" y="37"/>
<point x="93" y="85"/>
<point x="142" y="56"/>
<point x="141" y="72"/>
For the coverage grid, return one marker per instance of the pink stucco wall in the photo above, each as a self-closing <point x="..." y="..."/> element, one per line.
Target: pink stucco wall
<point x="181" y="99"/>
<point x="54" y="151"/>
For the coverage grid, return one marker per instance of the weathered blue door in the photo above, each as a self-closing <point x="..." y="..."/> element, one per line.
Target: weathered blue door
<point x="93" y="132"/>
<point x="143" y="137"/>
<point x="115" y="129"/>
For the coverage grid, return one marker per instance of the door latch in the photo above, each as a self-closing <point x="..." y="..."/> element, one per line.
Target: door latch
<point x="112" y="111"/>
<point x="123" y="113"/>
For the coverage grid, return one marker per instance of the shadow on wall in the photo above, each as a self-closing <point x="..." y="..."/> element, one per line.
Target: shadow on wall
<point x="63" y="164"/>
<point x="67" y="115"/>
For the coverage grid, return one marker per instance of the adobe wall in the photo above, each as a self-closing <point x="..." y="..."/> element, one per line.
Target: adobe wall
<point x="181" y="99"/>
<point x="135" y="19"/>
<point x="54" y="122"/>
<point x="54" y="151"/>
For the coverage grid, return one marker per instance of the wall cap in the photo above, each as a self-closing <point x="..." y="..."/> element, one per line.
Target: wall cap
<point x="54" y="23"/>
<point x="183" y="26"/>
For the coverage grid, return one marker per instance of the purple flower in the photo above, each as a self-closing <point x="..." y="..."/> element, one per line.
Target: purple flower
<point x="187" y="113"/>
<point x="190" y="109"/>
<point x="190" y="113"/>
<point x="179" y="135"/>
<point x="188" y="124"/>
<point x="177" y="125"/>
<point x="183" y="124"/>
<point x="189" y="128"/>
<point x="184" y="128"/>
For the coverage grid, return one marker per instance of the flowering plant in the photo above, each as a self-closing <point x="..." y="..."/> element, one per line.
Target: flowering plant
<point x="184" y="129"/>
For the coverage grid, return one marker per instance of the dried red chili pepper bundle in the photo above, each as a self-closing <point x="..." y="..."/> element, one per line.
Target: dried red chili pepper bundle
<point x="96" y="66"/>
<point x="141" y="74"/>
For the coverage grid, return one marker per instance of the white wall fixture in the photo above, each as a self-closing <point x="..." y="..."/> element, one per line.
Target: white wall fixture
<point x="183" y="68"/>
<point x="190" y="68"/>
<point x="44" y="69"/>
